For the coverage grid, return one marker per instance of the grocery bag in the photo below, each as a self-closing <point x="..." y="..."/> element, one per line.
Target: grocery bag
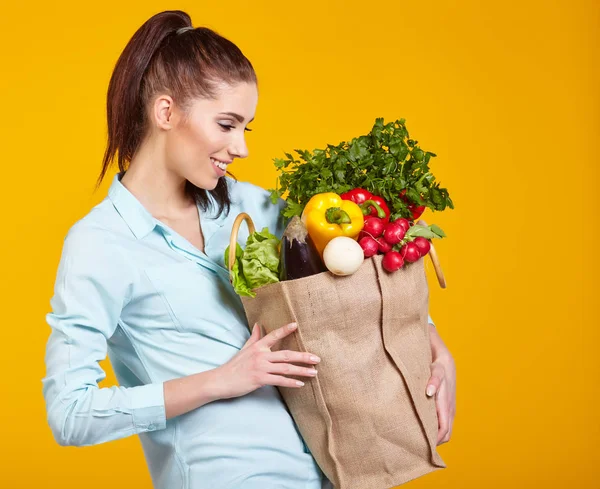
<point x="365" y="417"/>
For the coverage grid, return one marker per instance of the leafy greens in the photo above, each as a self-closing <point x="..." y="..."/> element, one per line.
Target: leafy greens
<point x="257" y="264"/>
<point x="384" y="162"/>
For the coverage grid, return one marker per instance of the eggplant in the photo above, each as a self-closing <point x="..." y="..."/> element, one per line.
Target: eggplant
<point x="299" y="255"/>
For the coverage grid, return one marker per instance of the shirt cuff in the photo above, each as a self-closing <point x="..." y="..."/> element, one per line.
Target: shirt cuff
<point x="431" y="321"/>
<point x="148" y="406"/>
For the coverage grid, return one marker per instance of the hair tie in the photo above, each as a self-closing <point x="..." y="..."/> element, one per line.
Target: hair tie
<point x="181" y="30"/>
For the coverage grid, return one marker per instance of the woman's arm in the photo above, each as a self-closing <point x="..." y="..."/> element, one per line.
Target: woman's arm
<point x="91" y="289"/>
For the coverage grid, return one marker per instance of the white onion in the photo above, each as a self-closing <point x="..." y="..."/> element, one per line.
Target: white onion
<point x="343" y="256"/>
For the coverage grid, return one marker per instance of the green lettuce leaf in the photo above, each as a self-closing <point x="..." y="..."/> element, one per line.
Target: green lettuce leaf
<point x="257" y="264"/>
<point x="237" y="277"/>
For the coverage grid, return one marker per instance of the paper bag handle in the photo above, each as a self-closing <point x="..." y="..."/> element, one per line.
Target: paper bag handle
<point x="234" y="235"/>
<point x="436" y="262"/>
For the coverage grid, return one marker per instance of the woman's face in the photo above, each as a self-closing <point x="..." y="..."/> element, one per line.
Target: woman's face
<point x="211" y="134"/>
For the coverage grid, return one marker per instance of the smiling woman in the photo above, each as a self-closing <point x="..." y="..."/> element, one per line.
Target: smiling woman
<point x="183" y="77"/>
<point x="142" y="278"/>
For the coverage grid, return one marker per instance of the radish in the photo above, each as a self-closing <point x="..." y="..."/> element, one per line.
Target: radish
<point x="369" y="245"/>
<point x="373" y="226"/>
<point x="384" y="246"/>
<point x="392" y="261"/>
<point x="394" y="233"/>
<point x="404" y="223"/>
<point x="423" y="245"/>
<point x="410" y="252"/>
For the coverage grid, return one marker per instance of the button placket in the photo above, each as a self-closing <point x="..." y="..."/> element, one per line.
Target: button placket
<point x="192" y="255"/>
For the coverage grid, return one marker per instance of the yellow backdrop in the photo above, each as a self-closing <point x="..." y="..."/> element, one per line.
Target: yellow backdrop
<point x="506" y="93"/>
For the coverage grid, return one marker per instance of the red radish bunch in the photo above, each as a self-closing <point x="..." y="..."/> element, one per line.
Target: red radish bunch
<point x="391" y="240"/>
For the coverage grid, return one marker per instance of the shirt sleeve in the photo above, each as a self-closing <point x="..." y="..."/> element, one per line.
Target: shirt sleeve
<point x="431" y="320"/>
<point x="92" y="286"/>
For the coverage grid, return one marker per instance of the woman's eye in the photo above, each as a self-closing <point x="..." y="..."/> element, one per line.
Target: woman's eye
<point x="227" y="127"/>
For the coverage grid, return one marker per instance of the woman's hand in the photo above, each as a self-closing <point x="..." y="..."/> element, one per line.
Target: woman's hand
<point x="256" y="365"/>
<point x="442" y="384"/>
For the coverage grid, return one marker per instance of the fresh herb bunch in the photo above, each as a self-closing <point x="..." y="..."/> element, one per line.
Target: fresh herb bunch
<point x="384" y="162"/>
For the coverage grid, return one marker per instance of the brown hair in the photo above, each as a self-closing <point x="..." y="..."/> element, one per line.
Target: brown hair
<point x="168" y="55"/>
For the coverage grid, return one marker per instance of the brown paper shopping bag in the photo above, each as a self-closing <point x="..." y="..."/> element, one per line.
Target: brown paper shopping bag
<point x="365" y="417"/>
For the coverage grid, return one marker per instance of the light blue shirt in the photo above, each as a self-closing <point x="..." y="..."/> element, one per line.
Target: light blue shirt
<point x="131" y="287"/>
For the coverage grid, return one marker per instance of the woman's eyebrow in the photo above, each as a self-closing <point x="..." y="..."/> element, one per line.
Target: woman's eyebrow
<point x="239" y="118"/>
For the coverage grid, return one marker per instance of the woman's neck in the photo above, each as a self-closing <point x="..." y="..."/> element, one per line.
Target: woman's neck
<point x="159" y="190"/>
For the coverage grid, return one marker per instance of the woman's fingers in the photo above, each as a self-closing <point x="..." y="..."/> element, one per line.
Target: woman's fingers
<point x="289" y="356"/>
<point x="274" y="336"/>
<point x="437" y="375"/>
<point x="437" y="386"/>
<point x="281" y="381"/>
<point x="281" y="363"/>
<point x="289" y="369"/>
<point x="443" y="412"/>
<point x="254" y="337"/>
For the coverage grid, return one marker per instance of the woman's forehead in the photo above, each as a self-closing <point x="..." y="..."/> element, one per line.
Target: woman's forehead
<point x="238" y="101"/>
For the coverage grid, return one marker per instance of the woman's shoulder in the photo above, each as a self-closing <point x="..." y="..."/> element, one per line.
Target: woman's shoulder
<point x="245" y="190"/>
<point x="97" y="239"/>
<point x="256" y="201"/>
<point x="249" y="193"/>
<point x="101" y="223"/>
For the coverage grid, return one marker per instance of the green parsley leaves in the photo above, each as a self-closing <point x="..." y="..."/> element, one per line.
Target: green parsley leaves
<point x="384" y="162"/>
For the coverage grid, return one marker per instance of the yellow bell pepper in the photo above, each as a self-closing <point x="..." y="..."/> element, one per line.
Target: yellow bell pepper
<point x="327" y="216"/>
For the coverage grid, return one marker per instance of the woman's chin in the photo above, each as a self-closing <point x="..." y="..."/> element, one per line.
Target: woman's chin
<point x="205" y="183"/>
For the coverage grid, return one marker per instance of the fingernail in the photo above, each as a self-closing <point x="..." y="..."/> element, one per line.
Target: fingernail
<point x="300" y="383"/>
<point x="313" y="372"/>
<point x="430" y="390"/>
<point x="314" y="359"/>
<point x="292" y="326"/>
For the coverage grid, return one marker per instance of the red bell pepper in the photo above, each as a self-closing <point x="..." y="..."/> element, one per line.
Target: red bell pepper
<point x="374" y="211"/>
<point x="415" y="210"/>
<point x="357" y="195"/>
<point x="370" y="204"/>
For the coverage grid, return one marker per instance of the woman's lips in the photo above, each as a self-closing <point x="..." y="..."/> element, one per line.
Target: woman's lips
<point x="219" y="166"/>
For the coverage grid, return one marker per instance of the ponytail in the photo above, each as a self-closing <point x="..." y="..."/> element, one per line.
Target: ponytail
<point x="124" y="104"/>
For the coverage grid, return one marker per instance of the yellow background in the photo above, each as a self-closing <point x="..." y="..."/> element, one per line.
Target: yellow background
<point x="506" y="93"/>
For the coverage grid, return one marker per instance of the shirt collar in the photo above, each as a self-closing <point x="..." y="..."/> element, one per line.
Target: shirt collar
<point x="135" y="215"/>
<point x="139" y="220"/>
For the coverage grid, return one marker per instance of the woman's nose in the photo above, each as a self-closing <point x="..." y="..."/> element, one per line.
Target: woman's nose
<point x="238" y="148"/>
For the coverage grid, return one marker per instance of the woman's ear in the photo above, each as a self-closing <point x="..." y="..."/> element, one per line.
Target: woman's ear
<point x="163" y="112"/>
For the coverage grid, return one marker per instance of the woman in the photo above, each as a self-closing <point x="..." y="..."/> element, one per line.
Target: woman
<point x="142" y="278"/>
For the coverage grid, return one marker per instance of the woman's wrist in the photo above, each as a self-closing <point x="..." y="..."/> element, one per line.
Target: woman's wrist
<point x="188" y="393"/>
<point x="439" y="351"/>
